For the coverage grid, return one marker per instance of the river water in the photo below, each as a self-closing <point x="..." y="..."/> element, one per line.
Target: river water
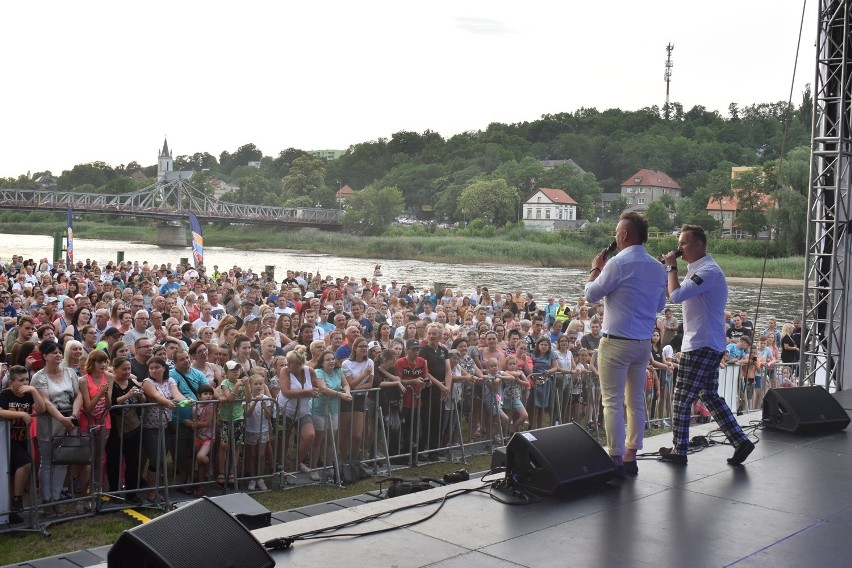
<point x="782" y="302"/>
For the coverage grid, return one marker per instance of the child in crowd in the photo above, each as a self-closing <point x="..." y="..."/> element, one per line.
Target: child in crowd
<point x="230" y="393"/>
<point x="205" y="431"/>
<point x="452" y="406"/>
<point x="16" y="405"/>
<point x="492" y="399"/>
<point x="258" y="413"/>
<point x="514" y="381"/>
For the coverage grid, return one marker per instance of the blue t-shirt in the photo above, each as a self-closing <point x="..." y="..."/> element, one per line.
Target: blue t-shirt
<point x="541" y="363"/>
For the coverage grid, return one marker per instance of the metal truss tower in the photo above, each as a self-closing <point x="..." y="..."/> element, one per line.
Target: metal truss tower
<point x="827" y="296"/>
<point x="668" y="78"/>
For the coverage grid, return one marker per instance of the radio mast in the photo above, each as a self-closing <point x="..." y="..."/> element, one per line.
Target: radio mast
<point x="668" y="77"/>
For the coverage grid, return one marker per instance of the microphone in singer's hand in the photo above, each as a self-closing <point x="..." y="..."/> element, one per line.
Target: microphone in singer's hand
<point x="611" y="249"/>
<point x="678" y="254"/>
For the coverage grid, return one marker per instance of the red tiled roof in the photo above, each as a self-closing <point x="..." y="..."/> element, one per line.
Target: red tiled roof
<point x="557" y="196"/>
<point x="733" y="204"/>
<point x="728" y="204"/>
<point x="650" y="178"/>
<point x="345" y="191"/>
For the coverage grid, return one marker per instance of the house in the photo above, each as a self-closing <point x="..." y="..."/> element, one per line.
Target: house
<point x="343" y="194"/>
<point x="726" y="212"/>
<point x="646" y="186"/>
<point x="550" y="164"/>
<point x="549" y="210"/>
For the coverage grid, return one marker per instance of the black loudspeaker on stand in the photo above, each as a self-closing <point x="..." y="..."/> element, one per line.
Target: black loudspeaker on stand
<point x="556" y="459"/>
<point x="200" y="534"/>
<point x="803" y="410"/>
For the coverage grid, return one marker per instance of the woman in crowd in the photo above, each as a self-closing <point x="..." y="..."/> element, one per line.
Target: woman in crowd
<point x="59" y="388"/>
<point x="163" y="390"/>
<point x="358" y="372"/>
<point x="81" y="318"/>
<point x="284" y="330"/>
<point x="126" y="435"/>
<point x="325" y="409"/>
<point x="96" y="389"/>
<point x="75" y="357"/>
<point x="296" y="381"/>
<point x="544" y="366"/>
<point x="200" y="353"/>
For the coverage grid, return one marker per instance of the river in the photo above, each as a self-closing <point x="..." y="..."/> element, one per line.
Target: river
<point x="783" y="302"/>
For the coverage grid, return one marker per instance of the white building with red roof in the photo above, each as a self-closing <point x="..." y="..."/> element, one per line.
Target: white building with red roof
<point x="646" y="186"/>
<point x="549" y="210"/>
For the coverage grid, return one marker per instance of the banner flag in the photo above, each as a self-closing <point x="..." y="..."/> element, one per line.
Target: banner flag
<point x="197" y="240"/>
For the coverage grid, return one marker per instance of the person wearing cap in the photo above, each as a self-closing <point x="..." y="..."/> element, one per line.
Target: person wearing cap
<point x="109" y="338"/>
<point x="634" y="285"/>
<point x="246" y="309"/>
<point x="414" y="375"/>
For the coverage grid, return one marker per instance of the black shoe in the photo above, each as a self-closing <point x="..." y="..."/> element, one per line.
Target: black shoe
<point x="669" y="455"/>
<point x="631" y="468"/>
<point x="620" y="473"/>
<point x="741" y="453"/>
<point x="15" y="518"/>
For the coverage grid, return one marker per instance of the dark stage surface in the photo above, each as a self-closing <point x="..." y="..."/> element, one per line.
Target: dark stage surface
<point x="789" y="505"/>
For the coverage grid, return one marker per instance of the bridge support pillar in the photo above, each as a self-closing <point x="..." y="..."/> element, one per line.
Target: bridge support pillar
<point x="171" y="236"/>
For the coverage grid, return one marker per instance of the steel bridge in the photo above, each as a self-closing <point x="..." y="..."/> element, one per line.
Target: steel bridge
<point x="169" y="202"/>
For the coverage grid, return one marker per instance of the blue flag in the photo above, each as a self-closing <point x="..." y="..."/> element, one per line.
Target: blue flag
<point x="197" y="240"/>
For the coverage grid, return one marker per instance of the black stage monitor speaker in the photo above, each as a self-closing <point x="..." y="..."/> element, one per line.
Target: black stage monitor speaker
<point x="803" y="410"/>
<point x="200" y="534"/>
<point x="556" y="459"/>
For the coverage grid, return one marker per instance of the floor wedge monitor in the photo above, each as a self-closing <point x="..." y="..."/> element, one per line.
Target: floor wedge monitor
<point x="556" y="459"/>
<point x="803" y="410"/>
<point x="198" y="535"/>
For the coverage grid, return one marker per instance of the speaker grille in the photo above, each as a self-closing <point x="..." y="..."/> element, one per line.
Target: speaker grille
<point x="199" y="534"/>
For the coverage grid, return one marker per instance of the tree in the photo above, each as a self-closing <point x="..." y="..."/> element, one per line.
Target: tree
<point x="256" y="190"/>
<point x="372" y="210"/>
<point x="616" y="207"/>
<point x="491" y="200"/>
<point x="751" y="197"/>
<point x="306" y="174"/>
<point x="94" y="173"/>
<point x="658" y="216"/>
<point x="280" y="166"/>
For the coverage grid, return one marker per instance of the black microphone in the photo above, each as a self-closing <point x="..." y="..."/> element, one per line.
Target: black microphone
<point x="611" y="249"/>
<point x="678" y="254"/>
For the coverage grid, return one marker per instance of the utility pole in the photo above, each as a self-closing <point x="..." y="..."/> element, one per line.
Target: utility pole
<point x="668" y="77"/>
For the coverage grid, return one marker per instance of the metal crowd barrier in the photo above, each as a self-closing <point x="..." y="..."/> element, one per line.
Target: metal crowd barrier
<point x="385" y="435"/>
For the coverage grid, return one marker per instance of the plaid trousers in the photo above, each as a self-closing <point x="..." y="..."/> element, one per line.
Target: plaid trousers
<point x="698" y="377"/>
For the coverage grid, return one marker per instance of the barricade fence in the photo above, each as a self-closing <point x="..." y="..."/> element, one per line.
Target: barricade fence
<point x="148" y="452"/>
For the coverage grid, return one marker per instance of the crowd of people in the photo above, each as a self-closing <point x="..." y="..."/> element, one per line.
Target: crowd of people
<point x="225" y="361"/>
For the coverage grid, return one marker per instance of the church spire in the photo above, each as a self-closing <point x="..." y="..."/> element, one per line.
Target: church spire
<point x="165" y="153"/>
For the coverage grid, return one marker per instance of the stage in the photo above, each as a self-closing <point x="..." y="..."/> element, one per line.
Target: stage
<point x="790" y="504"/>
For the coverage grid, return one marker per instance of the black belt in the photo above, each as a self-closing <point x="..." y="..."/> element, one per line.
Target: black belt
<point x="611" y="336"/>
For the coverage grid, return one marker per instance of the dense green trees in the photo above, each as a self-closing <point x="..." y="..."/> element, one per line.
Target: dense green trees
<point x="489" y="173"/>
<point x="372" y="210"/>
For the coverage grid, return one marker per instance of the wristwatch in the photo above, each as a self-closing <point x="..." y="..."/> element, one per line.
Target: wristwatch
<point x="671" y="267"/>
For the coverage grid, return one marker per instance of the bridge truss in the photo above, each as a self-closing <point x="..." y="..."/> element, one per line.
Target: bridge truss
<point x="166" y="201"/>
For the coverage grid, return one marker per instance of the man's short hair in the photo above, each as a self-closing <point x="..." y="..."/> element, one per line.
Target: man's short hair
<point x="697" y="232"/>
<point x="638" y="223"/>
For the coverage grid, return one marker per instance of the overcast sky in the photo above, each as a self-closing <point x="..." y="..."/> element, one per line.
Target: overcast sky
<point x="96" y="80"/>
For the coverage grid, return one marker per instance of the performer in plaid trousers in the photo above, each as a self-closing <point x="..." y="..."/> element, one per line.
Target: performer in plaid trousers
<point x="704" y="293"/>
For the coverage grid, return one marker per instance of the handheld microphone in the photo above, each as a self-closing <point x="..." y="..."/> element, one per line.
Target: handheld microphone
<point x="611" y="249"/>
<point x="678" y="254"/>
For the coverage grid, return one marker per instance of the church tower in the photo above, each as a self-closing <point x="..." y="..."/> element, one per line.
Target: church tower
<point x="165" y="163"/>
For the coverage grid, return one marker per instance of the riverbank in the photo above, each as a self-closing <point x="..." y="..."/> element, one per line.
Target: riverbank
<point x="572" y="252"/>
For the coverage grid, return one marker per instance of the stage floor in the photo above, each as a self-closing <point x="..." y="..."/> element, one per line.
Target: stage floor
<point x="790" y="504"/>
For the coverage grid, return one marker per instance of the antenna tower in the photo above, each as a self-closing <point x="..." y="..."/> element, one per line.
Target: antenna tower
<point x="668" y="77"/>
